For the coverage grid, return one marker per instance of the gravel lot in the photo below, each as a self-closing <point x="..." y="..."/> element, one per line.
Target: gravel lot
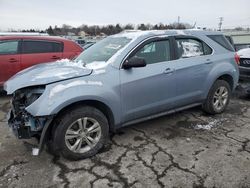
<point x="187" y="149"/>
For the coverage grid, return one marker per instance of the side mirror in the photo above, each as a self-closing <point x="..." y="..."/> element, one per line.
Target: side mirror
<point x="134" y="62"/>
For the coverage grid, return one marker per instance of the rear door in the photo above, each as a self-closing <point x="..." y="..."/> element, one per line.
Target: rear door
<point x="40" y="51"/>
<point x="9" y="59"/>
<point x="193" y="64"/>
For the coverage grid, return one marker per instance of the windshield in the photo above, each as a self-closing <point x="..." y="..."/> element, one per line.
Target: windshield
<point x="103" y="50"/>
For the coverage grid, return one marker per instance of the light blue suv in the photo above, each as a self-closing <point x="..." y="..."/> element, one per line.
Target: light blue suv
<point x="123" y="79"/>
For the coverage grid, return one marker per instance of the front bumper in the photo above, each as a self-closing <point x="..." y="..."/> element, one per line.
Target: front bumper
<point x="244" y="86"/>
<point x="20" y="128"/>
<point x="244" y="73"/>
<point x="25" y="129"/>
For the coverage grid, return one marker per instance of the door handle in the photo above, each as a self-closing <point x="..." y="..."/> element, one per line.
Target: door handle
<point x="168" y="71"/>
<point x="12" y="60"/>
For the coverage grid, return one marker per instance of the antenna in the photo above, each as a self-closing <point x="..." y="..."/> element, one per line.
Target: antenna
<point x="220" y="23"/>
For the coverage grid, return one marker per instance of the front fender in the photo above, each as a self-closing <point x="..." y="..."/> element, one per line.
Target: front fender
<point x="60" y="95"/>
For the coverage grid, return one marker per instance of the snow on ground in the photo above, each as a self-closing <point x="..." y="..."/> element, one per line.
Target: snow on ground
<point x="212" y="124"/>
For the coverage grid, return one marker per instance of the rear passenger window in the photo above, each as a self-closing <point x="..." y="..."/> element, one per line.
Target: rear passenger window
<point x="8" y="47"/>
<point x="41" y="47"/>
<point x="188" y="47"/>
<point x="155" y="52"/>
<point x="221" y="40"/>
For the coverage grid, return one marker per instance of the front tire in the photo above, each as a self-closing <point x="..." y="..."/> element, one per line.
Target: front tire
<point x="81" y="133"/>
<point x="218" y="98"/>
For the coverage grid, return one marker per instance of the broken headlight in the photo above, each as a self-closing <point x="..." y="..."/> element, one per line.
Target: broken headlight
<point x="33" y="95"/>
<point x="25" y="97"/>
<point x="23" y="124"/>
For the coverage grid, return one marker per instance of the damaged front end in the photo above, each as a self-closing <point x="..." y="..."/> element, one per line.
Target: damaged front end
<point x="23" y="124"/>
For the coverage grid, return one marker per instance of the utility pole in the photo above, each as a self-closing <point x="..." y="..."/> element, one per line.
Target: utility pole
<point x="220" y="23"/>
<point x="179" y="18"/>
<point x="194" y="25"/>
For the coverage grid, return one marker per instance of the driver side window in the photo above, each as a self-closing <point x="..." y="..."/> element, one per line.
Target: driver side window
<point x="154" y="52"/>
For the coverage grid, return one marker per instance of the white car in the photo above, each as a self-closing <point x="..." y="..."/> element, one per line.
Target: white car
<point x="244" y="63"/>
<point x="244" y="68"/>
<point x="244" y="53"/>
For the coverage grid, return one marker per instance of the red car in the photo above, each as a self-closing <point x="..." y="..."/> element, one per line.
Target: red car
<point x="20" y="52"/>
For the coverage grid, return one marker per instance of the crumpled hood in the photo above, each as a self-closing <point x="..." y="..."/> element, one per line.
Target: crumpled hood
<point x="45" y="73"/>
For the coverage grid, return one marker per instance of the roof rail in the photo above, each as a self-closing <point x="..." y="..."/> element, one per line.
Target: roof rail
<point x="23" y="34"/>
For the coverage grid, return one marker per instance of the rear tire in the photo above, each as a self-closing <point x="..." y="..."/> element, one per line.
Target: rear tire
<point x="218" y="98"/>
<point x="79" y="133"/>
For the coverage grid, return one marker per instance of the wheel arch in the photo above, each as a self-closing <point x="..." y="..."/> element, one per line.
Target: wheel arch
<point x="224" y="76"/>
<point x="104" y="108"/>
<point x="228" y="78"/>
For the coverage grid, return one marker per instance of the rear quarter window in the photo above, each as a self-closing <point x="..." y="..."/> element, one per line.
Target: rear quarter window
<point x="222" y="41"/>
<point x="191" y="47"/>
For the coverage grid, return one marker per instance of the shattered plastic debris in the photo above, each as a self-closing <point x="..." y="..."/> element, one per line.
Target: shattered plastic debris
<point x="35" y="151"/>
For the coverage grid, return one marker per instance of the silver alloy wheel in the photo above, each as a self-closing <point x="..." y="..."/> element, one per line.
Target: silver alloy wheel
<point x="220" y="98"/>
<point x="83" y="135"/>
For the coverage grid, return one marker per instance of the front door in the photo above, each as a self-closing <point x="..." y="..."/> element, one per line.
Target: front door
<point x="9" y="59"/>
<point x="151" y="89"/>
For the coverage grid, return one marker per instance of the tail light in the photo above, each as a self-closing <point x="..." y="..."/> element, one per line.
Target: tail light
<point x="237" y="59"/>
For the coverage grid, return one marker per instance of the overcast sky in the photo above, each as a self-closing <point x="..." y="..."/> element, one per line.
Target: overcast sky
<point x="39" y="14"/>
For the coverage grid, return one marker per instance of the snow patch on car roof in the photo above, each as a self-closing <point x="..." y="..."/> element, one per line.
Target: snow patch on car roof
<point x="136" y="34"/>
